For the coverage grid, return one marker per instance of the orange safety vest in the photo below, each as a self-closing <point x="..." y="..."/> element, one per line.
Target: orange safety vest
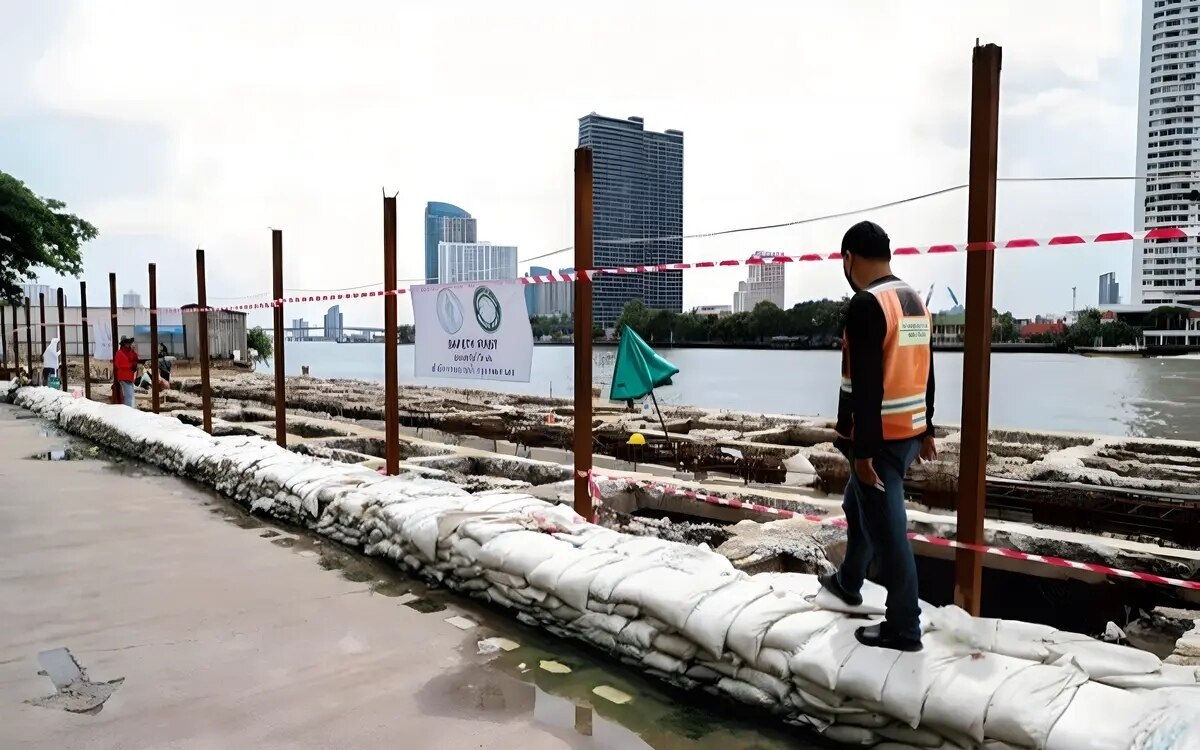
<point x="906" y="352"/>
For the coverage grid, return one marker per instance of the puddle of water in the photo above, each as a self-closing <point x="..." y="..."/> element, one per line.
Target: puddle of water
<point x="390" y="588"/>
<point x="426" y="606"/>
<point x="269" y="534"/>
<point x="357" y="576"/>
<point x="284" y="542"/>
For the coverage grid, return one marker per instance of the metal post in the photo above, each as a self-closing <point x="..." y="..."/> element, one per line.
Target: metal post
<point x="42" y="319"/>
<point x="29" y="339"/>
<point x="62" y="338"/>
<point x="154" y="393"/>
<point x="582" y="430"/>
<point x="277" y="301"/>
<point x="981" y="229"/>
<point x="87" y="355"/>
<point x="391" y="339"/>
<point x="202" y="320"/>
<point x="112" y="322"/>
<point x="4" y="344"/>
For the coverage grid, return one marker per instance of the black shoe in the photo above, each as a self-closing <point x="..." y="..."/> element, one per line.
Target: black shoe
<point x="876" y="636"/>
<point x="831" y="584"/>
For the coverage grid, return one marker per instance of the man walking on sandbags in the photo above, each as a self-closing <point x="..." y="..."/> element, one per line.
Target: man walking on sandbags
<point x="885" y="415"/>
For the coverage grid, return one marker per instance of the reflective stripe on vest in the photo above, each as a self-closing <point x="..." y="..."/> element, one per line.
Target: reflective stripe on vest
<point x="906" y="352"/>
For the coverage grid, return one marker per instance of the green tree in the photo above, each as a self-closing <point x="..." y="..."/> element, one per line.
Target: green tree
<point x="767" y="320"/>
<point x="36" y="233"/>
<point x="1004" y="327"/>
<point x="260" y="341"/>
<point x="635" y="315"/>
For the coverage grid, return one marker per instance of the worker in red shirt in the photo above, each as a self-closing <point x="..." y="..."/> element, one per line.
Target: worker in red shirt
<point x="126" y="362"/>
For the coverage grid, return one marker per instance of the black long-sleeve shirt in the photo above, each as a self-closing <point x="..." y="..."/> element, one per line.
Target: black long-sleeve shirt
<point x="860" y="411"/>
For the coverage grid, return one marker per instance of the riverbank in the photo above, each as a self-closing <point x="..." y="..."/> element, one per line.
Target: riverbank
<point x="709" y="628"/>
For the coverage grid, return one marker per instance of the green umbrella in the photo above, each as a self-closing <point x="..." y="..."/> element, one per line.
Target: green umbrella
<point x="639" y="370"/>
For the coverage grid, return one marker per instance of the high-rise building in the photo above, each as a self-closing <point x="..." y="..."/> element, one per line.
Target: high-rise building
<point x="333" y="324"/>
<point x="553" y="298"/>
<point x="764" y="283"/>
<point x="475" y="261"/>
<point x="1110" y="290"/>
<point x="637" y="204"/>
<point x="444" y="223"/>
<point x="299" y="329"/>
<point x="131" y="299"/>
<point x="1168" y="270"/>
<point x="33" y="290"/>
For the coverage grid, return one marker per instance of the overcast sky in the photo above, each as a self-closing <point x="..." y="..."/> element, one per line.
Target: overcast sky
<point x="176" y="125"/>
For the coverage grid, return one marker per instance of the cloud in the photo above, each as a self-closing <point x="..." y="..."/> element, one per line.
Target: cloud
<point x="294" y="115"/>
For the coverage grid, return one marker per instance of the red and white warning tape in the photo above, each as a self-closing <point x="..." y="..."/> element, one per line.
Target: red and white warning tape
<point x="285" y="300"/>
<point x="1058" y="562"/>
<point x="1161" y="233"/>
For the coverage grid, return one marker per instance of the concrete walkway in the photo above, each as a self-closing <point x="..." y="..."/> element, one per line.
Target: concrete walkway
<point x="224" y="638"/>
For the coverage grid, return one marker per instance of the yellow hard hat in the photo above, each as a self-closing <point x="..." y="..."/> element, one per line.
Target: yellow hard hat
<point x="636" y="439"/>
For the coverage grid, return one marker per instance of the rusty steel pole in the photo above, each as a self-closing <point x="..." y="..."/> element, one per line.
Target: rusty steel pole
<point x="29" y="338"/>
<point x="154" y="393"/>
<point x="391" y="339"/>
<point x="42" y="320"/>
<point x="202" y="320"/>
<point x="112" y="322"/>
<point x="582" y="430"/>
<point x="277" y="301"/>
<point x="977" y="349"/>
<point x="87" y="355"/>
<point x="4" y="342"/>
<point x="62" y="338"/>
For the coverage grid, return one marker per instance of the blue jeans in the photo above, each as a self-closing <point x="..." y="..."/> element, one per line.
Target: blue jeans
<point x="878" y="528"/>
<point x="127" y="393"/>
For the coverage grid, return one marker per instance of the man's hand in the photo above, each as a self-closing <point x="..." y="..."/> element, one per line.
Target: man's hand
<point x="928" y="449"/>
<point x="864" y="469"/>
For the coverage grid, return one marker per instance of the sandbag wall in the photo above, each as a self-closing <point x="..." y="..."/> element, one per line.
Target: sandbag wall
<point x="683" y="613"/>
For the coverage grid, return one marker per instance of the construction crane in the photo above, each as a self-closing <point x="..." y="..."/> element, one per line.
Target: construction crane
<point x="930" y="295"/>
<point x="953" y="298"/>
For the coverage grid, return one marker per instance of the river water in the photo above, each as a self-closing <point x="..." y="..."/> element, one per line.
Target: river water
<point x="1157" y="397"/>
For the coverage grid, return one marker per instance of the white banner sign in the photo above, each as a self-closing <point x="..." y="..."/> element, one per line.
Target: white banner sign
<point x="102" y="340"/>
<point x="473" y="331"/>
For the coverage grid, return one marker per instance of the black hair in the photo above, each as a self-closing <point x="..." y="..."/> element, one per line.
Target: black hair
<point x="866" y="239"/>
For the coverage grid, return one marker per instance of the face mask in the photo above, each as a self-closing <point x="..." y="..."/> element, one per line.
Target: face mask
<point x="846" y="268"/>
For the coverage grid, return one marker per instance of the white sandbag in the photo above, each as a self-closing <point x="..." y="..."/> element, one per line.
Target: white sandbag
<point x="874" y="600"/>
<point x="744" y="692"/>
<point x="1023" y="640"/>
<point x="764" y="682"/>
<point x="959" y="697"/>
<point x="974" y="632"/>
<point x="701" y="673"/>
<point x="801" y="584"/>
<point x="664" y="663"/>
<point x="611" y="624"/>
<point x="820" y="660"/>
<point x="710" y="620"/>
<point x="638" y="633"/>
<point x="906" y="736"/>
<point x="520" y="551"/>
<point x="1100" y="659"/>
<point x="605" y="580"/>
<point x="913" y="674"/>
<point x="848" y="735"/>
<point x="669" y="595"/>
<point x="573" y="583"/>
<point x="504" y="579"/>
<point x="1100" y="718"/>
<point x="793" y="631"/>
<point x="864" y="674"/>
<point x="677" y="646"/>
<point x="1026" y="705"/>
<point x="773" y="662"/>
<point x="748" y="633"/>
<point x="1169" y="675"/>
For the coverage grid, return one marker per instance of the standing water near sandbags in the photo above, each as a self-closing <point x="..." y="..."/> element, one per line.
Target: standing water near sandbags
<point x="884" y="423"/>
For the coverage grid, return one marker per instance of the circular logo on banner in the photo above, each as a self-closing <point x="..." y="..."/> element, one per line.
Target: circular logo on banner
<point x="449" y="312"/>
<point x="487" y="310"/>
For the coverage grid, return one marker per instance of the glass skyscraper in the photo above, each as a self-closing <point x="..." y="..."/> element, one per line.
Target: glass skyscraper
<point x="444" y="222"/>
<point x="637" y="195"/>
